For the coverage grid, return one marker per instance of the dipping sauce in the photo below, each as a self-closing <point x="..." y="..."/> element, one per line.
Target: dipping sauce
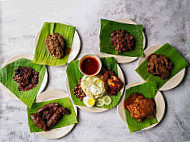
<point x="90" y="65"/>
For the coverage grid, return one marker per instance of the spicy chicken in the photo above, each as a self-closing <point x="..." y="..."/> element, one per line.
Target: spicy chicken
<point x="140" y="107"/>
<point x="114" y="83"/>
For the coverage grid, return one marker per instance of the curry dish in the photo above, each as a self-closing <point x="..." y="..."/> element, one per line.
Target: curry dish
<point x="140" y="107"/>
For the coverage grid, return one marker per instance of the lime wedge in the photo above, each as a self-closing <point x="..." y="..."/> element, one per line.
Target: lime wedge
<point x="99" y="102"/>
<point x="107" y="100"/>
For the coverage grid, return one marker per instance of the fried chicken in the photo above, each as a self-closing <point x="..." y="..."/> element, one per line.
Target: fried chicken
<point x="114" y="83"/>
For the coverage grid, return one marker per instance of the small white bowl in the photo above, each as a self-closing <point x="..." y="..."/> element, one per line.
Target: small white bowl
<point x="90" y="55"/>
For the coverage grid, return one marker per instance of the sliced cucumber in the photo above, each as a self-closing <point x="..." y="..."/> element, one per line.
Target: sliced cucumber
<point x="99" y="102"/>
<point x="107" y="100"/>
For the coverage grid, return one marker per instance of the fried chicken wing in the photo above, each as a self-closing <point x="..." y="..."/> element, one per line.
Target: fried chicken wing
<point x="114" y="83"/>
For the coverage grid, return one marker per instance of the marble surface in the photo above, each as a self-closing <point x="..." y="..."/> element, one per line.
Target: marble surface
<point x="163" y="21"/>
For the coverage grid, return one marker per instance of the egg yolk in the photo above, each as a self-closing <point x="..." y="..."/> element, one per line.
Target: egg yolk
<point x="91" y="101"/>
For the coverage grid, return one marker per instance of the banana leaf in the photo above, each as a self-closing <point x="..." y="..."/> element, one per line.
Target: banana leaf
<point x="107" y="27"/>
<point x="6" y="78"/>
<point x="73" y="76"/>
<point x="42" y="56"/>
<point x="66" y="120"/>
<point x="148" y="90"/>
<point x="177" y="60"/>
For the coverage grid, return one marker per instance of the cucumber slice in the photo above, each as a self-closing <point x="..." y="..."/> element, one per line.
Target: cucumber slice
<point x="107" y="100"/>
<point x="99" y="102"/>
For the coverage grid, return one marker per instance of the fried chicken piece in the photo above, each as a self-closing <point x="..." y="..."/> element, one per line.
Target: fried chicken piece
<point x="114" y="83"/>
<point x="38" y="121"/>
<point x="142" y="108"/>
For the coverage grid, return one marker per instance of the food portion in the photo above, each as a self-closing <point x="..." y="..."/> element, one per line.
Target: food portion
<point x="159" y="65"/>
<point x="114" y="83"/>
<point x="122" y="41"/>
<point x="88" y="101"/>
<point x="140" y="107"/>
<point x="96" y="90"/>
<point x="56" y="45"/>
<point x="26" y="78"/>
<point x="78" y="92"/>
<point x="47" y="116"/>
<point x="90" y="65"/>
<point x="93" y="86"/>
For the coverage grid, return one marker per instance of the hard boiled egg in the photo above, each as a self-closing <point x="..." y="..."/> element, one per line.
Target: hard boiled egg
<point x="88" y="101"/>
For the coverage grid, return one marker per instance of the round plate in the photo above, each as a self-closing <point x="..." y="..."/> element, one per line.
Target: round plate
<point x="160" y="106"/>
<point x="75" y="46"/>
<point x="125" y="59"/>
<point x="26" y="56"/>
<point x="171" y="83"/>
<point x="59" y="132"/>
<point x="96" y="109"/>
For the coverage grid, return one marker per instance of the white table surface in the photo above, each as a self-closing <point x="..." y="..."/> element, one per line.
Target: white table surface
<point x="164" y="21"/>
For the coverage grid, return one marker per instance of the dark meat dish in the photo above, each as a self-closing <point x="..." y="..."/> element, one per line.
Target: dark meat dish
<point x="140" y="107"/>
<point x="48" y="115"/>
<point x="122" y="40"/>
<point x="56" y="116"/>
<point x="159" y="65"/>
<point x="26" y="78"/>
<point x="78" y="92"/>
<point x="38" y="121"/>
<point x="114" y="83"/>
<point x="48" y="106"/>
<point x="55" y="44"/>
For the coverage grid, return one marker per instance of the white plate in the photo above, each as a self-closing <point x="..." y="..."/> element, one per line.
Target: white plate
<point x="75" y="46"/>
<point x="59" y="132"/>
<point x="26" y="56"/>
<point x="125" y="59"/>
<point x="160" y="106"/>
<point x="174" y="81"/>
<point x="95" y="109"/>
